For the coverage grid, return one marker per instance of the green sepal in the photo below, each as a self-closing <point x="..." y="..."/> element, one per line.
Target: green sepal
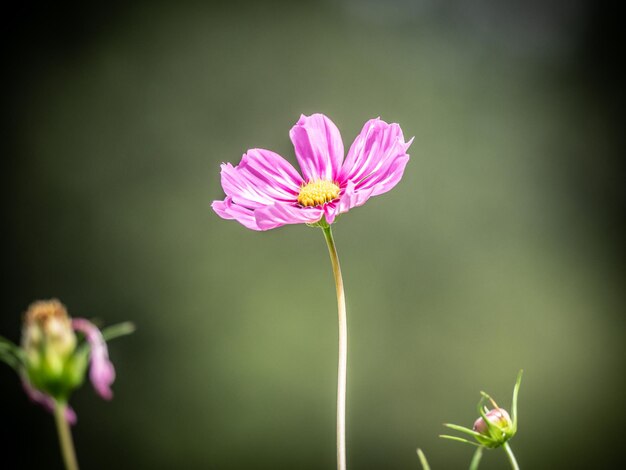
<point x="118" y="330"/>
<point x="493" y="439"/>
<point x="320" y="223"/>
<point x="58" y="383"/>
<point x="518" y="383"/>
<point x="75" y="369"/>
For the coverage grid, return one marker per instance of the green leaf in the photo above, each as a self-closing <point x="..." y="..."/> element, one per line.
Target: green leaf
<point x="109" y="333"/>
<point x="5" y="343"/>
<point x="115" y="331"/>
<point x="518" y="382"/>
<point x="463" y="429"/>
<point x="10" y="353"/>
<point x="458" y="439"/>
<point x="9" y="359"/>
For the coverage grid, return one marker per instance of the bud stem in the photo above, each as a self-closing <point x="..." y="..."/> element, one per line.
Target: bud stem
<point x="65" y="436"/>
<point x="509" y="453"/>
<point x="343" y="350"/>
<point x="476" y="458"/>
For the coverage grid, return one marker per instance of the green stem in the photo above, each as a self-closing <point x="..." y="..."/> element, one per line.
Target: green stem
<point x="343" y="351"/>
<point x="423" y="460"/>
<point x="65" y="436"/>
<point x="509" y="453"/>
<point x="476" y="459"/>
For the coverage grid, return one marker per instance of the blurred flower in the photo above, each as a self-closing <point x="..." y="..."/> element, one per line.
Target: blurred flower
<point x="265" y="191"/>
<point x="49" y="343"/>
<point x="494" y="427"/>
<point x="52" y="361"/>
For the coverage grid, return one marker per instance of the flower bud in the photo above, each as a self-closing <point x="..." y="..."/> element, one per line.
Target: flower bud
<point x="49" y="343"/>
<point x="498" y="417"/>
<point x="497" y="430"/>
<point x="494" y="427"/>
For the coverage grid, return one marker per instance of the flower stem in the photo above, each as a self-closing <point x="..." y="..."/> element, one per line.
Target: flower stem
<point x="509" y="453"/>
<point x="65" y="436"/>
<point x="476" y="458"/>
<point x="343" y="350"/>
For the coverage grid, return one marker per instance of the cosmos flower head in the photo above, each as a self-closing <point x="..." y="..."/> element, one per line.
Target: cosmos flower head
<point x="265" y="191"/>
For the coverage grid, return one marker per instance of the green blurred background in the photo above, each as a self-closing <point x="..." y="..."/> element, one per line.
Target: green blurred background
<point x="500" y="249"/>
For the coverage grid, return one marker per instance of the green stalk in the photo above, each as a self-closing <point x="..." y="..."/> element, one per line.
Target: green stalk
<point x="65" y="436"/>
<point x="423" y="460"/>
<point x="476" y="458"/>
<point x="343" y="350"/>
<point x="509" y="453"/>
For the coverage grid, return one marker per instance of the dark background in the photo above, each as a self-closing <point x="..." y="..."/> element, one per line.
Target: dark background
<point x="501" y="248"/>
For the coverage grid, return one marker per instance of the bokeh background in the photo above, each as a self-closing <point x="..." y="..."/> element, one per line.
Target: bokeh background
<point x="501" y="248"/>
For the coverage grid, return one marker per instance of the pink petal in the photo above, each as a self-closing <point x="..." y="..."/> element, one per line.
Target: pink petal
<point x="101" y="371"/>
<point x="318" y="147"/>
<point x="47" y="401"/>
<point x="377" y="158"/>
<point x="281" y="214"/>
<point x="227" y="210"/>
<point x="386" y="179"/>
<point x="352" y="198"/>
<point x="262" y="178"/>
<point x="330" y="213"/>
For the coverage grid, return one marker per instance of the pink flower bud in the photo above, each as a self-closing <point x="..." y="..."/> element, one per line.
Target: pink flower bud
<point x="498" y="417"/>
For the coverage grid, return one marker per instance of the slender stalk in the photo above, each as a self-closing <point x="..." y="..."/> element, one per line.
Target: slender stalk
<point x="476" y="458"/>
<point x="343" y="351"/>
<point x="65" y="436"/>
<point x="509" y="453"/>
<point x="423" y="460"/>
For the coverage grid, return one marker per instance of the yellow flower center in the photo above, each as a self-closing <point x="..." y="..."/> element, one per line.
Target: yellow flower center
<point x="317" y="192"/>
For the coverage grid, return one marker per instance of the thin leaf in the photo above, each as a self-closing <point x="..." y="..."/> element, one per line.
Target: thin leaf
<point x="5" y="343"/>
<point x="10" y="353"/>
<point x="423" y="460"/>
<point x="458" y="439"/>
<point x="109" y="333"/>
<point x="9" y="359"/>
<point x="115" y="331"/>
<point x="463" y="429"/>
<point x="518" y="382"/>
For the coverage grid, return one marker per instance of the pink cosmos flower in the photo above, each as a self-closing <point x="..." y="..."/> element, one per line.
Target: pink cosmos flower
<point x="101" y="371"/>
<point x="265" y="191"/>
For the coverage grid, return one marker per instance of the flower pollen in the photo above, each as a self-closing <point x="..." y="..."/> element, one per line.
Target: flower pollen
<point x="317" y="192"/>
